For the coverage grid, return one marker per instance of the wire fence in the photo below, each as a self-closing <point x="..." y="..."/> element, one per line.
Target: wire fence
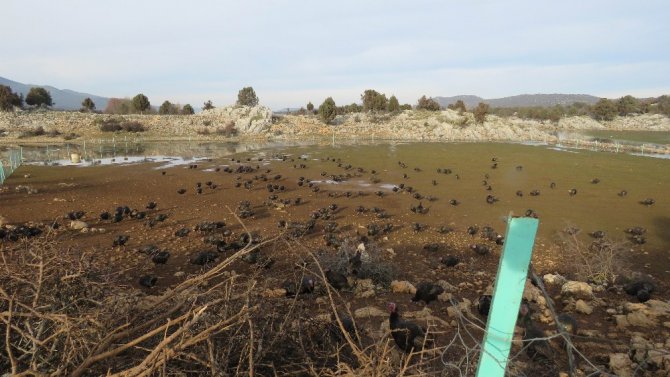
<point x="9" y="164"/>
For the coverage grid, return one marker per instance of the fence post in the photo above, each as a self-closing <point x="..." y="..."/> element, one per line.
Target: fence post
<point x="508" y="290"/>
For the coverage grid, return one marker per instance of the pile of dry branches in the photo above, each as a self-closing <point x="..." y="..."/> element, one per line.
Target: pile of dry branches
<point x="64" y="313"/>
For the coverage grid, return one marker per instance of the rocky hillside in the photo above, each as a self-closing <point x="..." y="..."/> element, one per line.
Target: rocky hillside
<point x="259" y="121"/>
<point x="240" y="119"/>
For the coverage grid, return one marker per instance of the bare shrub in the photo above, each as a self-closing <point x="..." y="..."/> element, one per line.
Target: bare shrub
<point x="365" y="261"/>
<point x="110" y="125"/>
<point x="599" y="261"/>
<point x="133" y="126"/>
<point x="116" y="125"/>
<point x="70" y="136"/>
<point x="203" y="131"/>
<point x="228" y="130"/>
<point x="39" y="131"/>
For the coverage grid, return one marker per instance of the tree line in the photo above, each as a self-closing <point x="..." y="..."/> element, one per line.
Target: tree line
<point x="374" y="102"/>
<point x="604" y="109"/>
<point x="371" y="101"/>
<point x="140" y="104"/>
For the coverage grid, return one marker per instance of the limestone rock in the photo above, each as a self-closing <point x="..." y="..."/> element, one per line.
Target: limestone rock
<point x="247" y="120"/>
<point x="78" y="225"/>
<point x="369" y="311"/>
<point x="641" y="319"/>
<point x="364" y="284"/>
<point x="402" y="286"/>
<point x="551" y="279"/>
<point x="620" y="364"/>
<point x="577" y="289"/>
<point x="582" y="307"/>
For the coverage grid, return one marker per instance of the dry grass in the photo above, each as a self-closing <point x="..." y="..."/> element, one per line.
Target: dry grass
<point x="63" y="313"/>
<point x="599" y="261"/>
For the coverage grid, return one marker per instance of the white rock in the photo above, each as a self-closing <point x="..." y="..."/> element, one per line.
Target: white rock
<point x="369" y="311"/>
<point x="398" y="286"/>
<point x="582" y="307"/>
<point x="620" y="364"/>
<point x="551" y="279"/>
<point x="577" y="289"/>
<point x="78" y="225"/>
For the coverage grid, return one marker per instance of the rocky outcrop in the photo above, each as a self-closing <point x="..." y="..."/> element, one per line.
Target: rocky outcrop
<point x="447" y="125"/>
<point x="245" y="120"/>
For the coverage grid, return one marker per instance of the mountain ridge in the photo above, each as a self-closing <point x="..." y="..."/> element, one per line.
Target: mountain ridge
<point x="521" y="100"/>
<point x="64" y="99"/>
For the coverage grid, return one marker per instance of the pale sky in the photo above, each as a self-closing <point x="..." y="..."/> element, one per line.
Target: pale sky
<point x="293" y="52"/>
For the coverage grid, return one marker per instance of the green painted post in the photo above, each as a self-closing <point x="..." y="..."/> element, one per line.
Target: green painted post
<point x="508" y="290"/>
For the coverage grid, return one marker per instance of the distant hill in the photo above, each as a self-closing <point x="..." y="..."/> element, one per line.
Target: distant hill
<point x="64" y="99"/>
<point x="522" y="100"/>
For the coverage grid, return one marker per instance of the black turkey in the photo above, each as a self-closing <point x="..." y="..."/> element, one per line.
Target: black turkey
<point x="427" y="292"/>
<point x="408" y="336"/>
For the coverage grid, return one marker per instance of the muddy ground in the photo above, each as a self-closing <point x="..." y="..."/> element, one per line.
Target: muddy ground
<point x="60" y="190"/>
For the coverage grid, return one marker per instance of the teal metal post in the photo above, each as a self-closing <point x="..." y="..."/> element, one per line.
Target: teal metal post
<point x="508" y="290"/>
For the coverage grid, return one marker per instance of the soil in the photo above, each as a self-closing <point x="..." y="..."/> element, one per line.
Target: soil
<point x="94" y="190"/>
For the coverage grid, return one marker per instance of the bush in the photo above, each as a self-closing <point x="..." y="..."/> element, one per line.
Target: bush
<point x="628" y="105"/>
<point x="119" y="106"/>
<point x="458" y="106"/>
<point x="133" y="127"/>
<point x="115" y="125"/>
<point x="394" y="105"/>
<point x="604" y="110"/>
<point x="110" y="125"/>
<point x="601" y="261"/>
<point x="167" y="108"/>
<point x="9" y="99"/>
<point x="480" y="112"/>
<point x="374" y="101"/>
<point x="429" y="104"/>
<point x="207" y="105"/>
<point x="228" y="130"/>
<point x="187" y="110"/>
<point x="310" y="107"/>
<point x="328" y="110"/>
<point x="38" y="97"/>
<point x="70" y="136"/>
<point x="247" y="97"/>
<point x="141" y="103"/>
<point x="374" y="265"/>
<point x="87" y="104"/>
<point x="39" y="131"/>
